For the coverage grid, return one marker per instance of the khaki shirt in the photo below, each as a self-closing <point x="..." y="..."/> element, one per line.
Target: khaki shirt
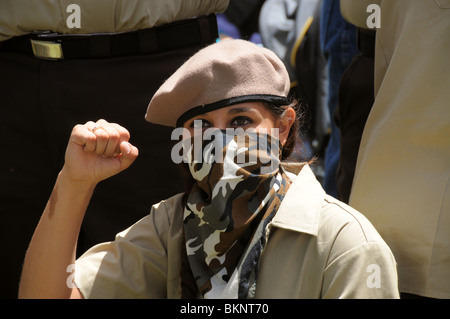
<point x="20" y="17"/>
<point x="402" y="177"/>
<point x="317" y="247"/>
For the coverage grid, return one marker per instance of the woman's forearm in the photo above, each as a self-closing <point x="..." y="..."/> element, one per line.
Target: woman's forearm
<point x="95" y="152"/>
<point x="53" y="245"/>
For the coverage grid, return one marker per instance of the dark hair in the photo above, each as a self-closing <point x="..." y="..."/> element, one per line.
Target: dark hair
<point x="293" y="136"/>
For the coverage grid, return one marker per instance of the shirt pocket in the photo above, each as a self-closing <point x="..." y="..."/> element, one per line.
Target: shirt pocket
<point x="443" y="4"/>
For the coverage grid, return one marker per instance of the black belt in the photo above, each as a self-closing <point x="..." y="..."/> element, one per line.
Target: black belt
<point x="54" y="46"/>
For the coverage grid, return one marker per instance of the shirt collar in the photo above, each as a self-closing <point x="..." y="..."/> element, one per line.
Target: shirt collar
<point x="300" y="209"/>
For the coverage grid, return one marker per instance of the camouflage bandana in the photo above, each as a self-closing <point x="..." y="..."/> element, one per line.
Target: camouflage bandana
<point x="238" y="189"/>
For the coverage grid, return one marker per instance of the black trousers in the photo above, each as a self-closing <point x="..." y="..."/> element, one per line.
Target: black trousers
<point x="356" y="97"/>
<point x="40" y="102"/>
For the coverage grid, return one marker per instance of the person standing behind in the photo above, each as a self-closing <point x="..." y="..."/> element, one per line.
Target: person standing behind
<point x="355" y="100"/>
<point x="402" y="177"/>
<point x="338" y="41"/>
<point x="88" y="59"/>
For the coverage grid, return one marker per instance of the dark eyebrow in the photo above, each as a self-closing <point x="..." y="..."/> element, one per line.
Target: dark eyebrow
<point x="240" y="110"/>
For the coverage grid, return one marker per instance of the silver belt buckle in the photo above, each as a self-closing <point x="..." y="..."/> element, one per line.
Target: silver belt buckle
<point x="47" y="50"/>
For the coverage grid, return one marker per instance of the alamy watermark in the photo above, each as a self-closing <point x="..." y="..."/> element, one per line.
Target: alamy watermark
<point x="70" y="281"/>
<point x="374" y="19"/>
<point x="208" y="146"/>
<point x="73" y="21"/>
<point x="374" y="279"/>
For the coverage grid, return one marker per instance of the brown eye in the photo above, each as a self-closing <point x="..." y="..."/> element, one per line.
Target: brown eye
<point x="241" y="121"/>
<point x="199" y="123"/>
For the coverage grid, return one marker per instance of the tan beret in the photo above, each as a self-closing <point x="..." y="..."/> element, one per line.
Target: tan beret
<point x="223" y="74"/>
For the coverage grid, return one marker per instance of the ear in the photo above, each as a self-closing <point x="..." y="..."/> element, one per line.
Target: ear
<point x="285" y="123"/>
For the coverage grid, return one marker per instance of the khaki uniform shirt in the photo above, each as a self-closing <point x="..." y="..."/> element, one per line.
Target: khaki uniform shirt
<point x="19" y="17"/>
<point x="317" y="248"/>
<point x="402" y="177"/>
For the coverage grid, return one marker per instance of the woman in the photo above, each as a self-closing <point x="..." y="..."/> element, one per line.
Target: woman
<point x="248" y="227"/>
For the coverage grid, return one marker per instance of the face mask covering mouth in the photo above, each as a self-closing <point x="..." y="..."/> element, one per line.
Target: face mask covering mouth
<point x="237" y="190"/>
